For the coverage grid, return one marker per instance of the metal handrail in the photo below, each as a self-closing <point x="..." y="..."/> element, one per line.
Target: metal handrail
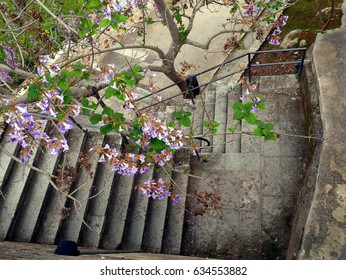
<point x="249" y="66"/>
<point x="299" y="63"/>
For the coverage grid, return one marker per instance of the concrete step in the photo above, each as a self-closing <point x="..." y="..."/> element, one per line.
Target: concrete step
<point x="173" y="230"/>
<point x="53" y="211"/>
<point x="102" y="189"/>
<point x="6" y="161"/>
<point x="220" y="116"/>
<point x="208" y="115"/>
<point x="29" y="215"/>
<point x="233" y="140"/>
<point x="14" y="191"/>
<point x="83" y="187"/>
<point x="155" y="218"/>
<point x="234" y="177"/>
<point x="116" y="212"/>
<point x="136" y="215"/>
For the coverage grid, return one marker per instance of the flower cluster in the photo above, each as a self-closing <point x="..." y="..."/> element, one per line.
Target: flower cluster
<point x="28" y="131"/>
<point x="151" y="129"/>
<point x="130" y="100"/>
<point x="251" y="11"/>
<point x="277" y="26"/>
<point x="11" y="60"/>
<point x="155" y="128"/>
<point x="248" y="93"/>
<point x="5" y="76"/>
<point x="11" y="57"/>
<point x="110" y="8"/>
<point x="109" y="73"/>
<point x="158" y="190"/>
<point x="49" y="103"/>
<point x="123" y="163"/>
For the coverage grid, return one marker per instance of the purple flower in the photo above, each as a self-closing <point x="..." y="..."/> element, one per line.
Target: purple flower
<point x="254" y="108"/>
<point x="44" y="58"/>
<point x="274" y="41"/>
<point x="54" y="69"/>
<point x="65" y="125"/>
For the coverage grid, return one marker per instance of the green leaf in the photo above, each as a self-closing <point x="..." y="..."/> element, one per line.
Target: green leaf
<point x="85" y="102"/>
<point x="93" y="4"/>
<point x="110" y="92"/>
<point x="234" y="8"/>
<point x="118" y="117"/>
<point x="248" y="107"/>
<point x="61" y="115"/>
<point x="182" y="37"/>
<point x="106" y="129"/>
<point x="95" y="119"/>
<point x="232" y="129"/>
<point x="157" y="144"/>
<point x="108" y="111"/>
<point x="136" y="132"/>
<point x="257" y="132"/>
<point x="64" y="75"/>
<point x="238" y="106"/>
<point x="251" y="118"/>
<point x="171" y="124"/>
<point x="64" y="85"/>
<point x="67" y="96"/>
<point x="260" y="124"/>
<point x="104" y="23"/>
<point x="150" y="21"/>
<point x="269" y="126"/>
<point x="33" y="93"/>
<point x="115" y="25"/>
<point x="261" y="106"/>
<point x="83" y="32"/>
<point x="274" y="137"/>
<point x="238" y="115"/>
<point x="122" y="18"/>
<point x="185" y="121"/>
<point x="78" y="66"/>
<point x="265" y="132"/>
<point x="178" y="114"/>
<point x="136" y="69"/>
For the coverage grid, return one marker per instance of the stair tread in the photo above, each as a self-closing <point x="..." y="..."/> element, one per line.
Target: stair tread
<point x="72" y="226"/>
<point x="14" y="192"/>
<point x="39" y="184"/>
<point x="103" y="185"/>
<point x="52" y="217"/>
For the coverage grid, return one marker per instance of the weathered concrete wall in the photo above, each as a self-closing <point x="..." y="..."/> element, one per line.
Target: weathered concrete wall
<point x="324" y="234"/>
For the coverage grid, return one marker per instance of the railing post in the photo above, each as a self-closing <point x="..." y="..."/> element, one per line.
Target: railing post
<point x="249" y="67"/>
<point x="301" y="65"/>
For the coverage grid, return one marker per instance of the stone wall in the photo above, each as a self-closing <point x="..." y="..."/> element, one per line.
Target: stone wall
<point x="323" y="234"/>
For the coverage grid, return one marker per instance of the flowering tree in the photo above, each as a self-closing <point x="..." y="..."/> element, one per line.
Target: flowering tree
<point x="38" y="87"/>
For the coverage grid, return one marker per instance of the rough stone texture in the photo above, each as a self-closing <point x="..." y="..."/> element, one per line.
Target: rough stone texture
<point x="30" y="251"/>
<point x="325" y="231"/>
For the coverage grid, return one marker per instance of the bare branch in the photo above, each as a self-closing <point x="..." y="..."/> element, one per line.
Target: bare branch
<point x="149" y="47"/>
<point x="207" y="44"/>
<point x="18" y="71"/>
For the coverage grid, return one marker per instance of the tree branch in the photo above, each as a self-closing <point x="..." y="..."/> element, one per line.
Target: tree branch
<point x="20" y="72"/>
<point x="149" y="47"/>
<point x="207" y="44"/>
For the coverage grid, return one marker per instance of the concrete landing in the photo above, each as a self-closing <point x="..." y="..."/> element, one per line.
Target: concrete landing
<point x="258" y="186"/>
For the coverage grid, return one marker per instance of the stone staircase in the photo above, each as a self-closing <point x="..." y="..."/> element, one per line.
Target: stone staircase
<point x="257" y="181"/>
